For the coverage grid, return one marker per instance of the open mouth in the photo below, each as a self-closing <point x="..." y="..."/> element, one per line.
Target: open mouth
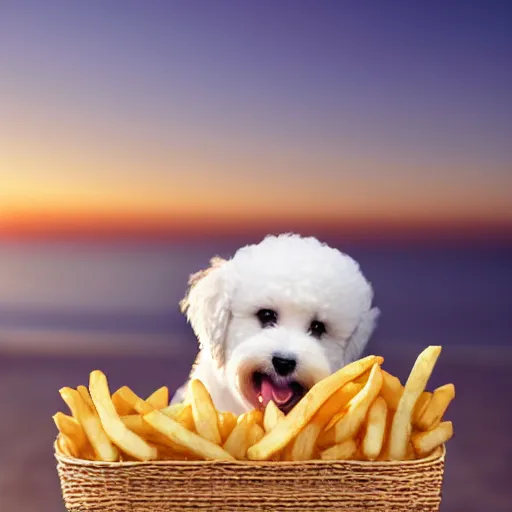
<point x="285" y="394"/>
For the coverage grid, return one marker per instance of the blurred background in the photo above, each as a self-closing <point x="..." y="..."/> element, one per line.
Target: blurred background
<point x="139" y="139"/>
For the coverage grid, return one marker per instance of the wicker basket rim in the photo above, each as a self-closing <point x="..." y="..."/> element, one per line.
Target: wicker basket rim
<point x="438" y="454"/>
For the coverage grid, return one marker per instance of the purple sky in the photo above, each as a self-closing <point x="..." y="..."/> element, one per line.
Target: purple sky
<point x="202" y="107"/>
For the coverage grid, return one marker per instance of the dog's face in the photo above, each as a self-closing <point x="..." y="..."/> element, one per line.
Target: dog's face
<point x="280" y="316"/>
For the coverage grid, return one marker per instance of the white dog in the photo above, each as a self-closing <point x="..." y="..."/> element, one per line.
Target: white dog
<point x="274" y="320"/>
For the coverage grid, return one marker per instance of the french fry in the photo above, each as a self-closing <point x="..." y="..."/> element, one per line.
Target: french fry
<point x="84" y="393"/>
<point x="272" y="416"/>
<point x="182" y="413"/>
<point x="433" y="413"/>
<point x="426" y="442"/>
<point x="204" y="413"/>
<point x="160" y="398"/>
<point x="311" y="435"/>
<point x="343" y="451"/>
<point x="237" y="442"/>
<point x="63" y="446"/>
<point x="401" y="427"/>
<point x="391" y="390"/>
<point x="255" y="435"/>
<point x="122" y="407"/>
<point x="410" y="453"/>
<point x="384" y="453"/>
<point x="304" y="444"/>
<point x="331" y="409"/>
<point x="257" y="416"/>
<point x="373" y="439"/>
<point x="420" y="407"/>
<point x="132" y="401"/>
<point x="362" y="378"/>
<point x="72" y="430"/>
<point x="327" y="438"/>
<point x="119" y="434"/>
<point x="335" y="404"/>
<point x="287" y="452"/>
<point x="180" y="435"/>
<point x="174" y="410"/>
<point x="301" y="414"/>
<point x="227" y="422"/>
<point x="186" y="418"/>
<point x="103" y="447"/>
<point x="136" y="423"/>
<point x="354" y="413"/>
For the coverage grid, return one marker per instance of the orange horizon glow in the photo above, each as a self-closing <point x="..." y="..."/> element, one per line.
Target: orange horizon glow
<point x="113" y="227"/>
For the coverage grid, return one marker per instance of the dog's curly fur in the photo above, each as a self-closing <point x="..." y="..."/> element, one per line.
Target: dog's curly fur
<point x="299" y="278"/>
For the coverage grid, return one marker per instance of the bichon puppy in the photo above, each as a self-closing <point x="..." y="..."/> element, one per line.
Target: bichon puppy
<point x="274" y="320"/>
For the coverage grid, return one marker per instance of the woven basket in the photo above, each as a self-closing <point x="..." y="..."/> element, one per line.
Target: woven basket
<point x="320" y="486"/>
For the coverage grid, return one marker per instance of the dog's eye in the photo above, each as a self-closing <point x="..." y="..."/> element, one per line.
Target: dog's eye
<point x="267" y="317"/>
<point x="317" y="329"/>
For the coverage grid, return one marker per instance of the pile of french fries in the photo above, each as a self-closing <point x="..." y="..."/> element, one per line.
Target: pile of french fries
<point x="360" y="412"/>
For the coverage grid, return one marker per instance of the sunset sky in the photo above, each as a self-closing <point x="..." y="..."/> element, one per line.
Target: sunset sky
<point x="174" y="113"/>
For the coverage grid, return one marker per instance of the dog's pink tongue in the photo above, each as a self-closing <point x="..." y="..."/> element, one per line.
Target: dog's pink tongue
<point x="271" y="391"/>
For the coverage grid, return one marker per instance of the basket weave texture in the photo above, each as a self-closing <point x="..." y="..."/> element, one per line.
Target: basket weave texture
<point x="319" y="486"/>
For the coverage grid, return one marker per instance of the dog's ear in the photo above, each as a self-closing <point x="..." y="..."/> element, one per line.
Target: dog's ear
<point x="207" y="307"/>
<point x="359" y="338"/>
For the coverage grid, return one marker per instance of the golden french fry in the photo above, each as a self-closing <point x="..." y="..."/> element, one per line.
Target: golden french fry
<point x="304" y="445"/>
<point x="433" y="413"/>
<point x="334" y="412"/>
<point x="64" y="446"/>
<point x="330" y="409"/>
<point x="301" y="414"/>
<point x="227" y="422"/>
<point x="384" y="453"/>
<point x="84" y="393"/>
<point x="180" y="435"/>
<point x="123" y="408"/>
<point x="186" y="418"/>
<point x="272" y="416"/>
<point x="337" y="402"/>
<point x="420" y="406"/>
<point x="174" y="410"/>
<point x="257" y="416"/>
<point x="160" y="398"/>
<point x="362" y="378"/>
<point x="132" y="401"/>
<point x="255" y="434"/>
<point x="401" y="427"/>
<point x="204" y="413"/>
<point x="391" y="390"/>
<point x="373" y="439"/>
<point x="103" y="447"/>
<point x="426" y="442"/>
<point x="136" y="423"/>
<point x="410" y="454"/>
<point x="287" y="453"/>
<point x="342" y="451"/>
<point x="353" y="414"/>
<point x="70" y="428"/>
<point x="119" y="434"/>
<point x="305" y="442"/>
<point x="237" y="442"/>
<point x="327" y="438"/>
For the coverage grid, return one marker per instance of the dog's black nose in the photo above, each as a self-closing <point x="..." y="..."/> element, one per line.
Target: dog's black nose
<point x="283" y="366"/>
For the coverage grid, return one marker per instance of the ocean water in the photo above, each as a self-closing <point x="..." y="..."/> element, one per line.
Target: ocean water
<point x="452" y="294"/>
